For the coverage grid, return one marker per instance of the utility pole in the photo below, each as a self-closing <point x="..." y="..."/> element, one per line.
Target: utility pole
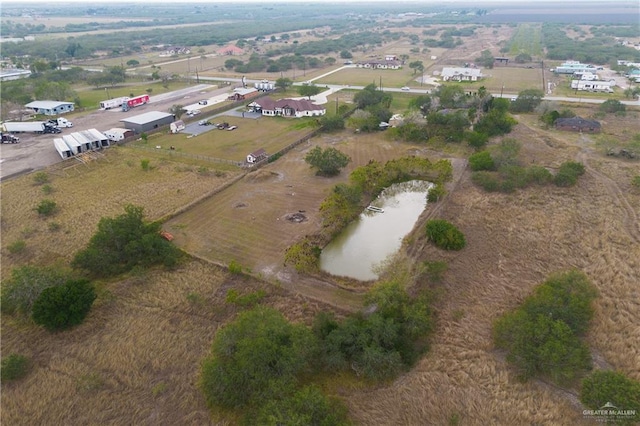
<point x="544" y="88"/>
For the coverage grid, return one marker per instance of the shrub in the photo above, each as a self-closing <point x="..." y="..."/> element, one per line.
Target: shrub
<point x="255" y="358"/>
<point x="41" y="178"/>
<point x="249" y="299"/>
<point x="539" y="175"/>
<point x="381" y="344"/>
<point x="21" y="290"/>
<point x="542" y="336"/>
<point x="486" y="180"/>
<point x="568" y="173"/>
<point x="445" y="235"/>
<point x="436" y="193"/>
<point x="63" y="306"/>
<point x="308" y="406"/>
<point x="144" y="164"/>
<point x="602" y="387"/>
<point x="17" y="246"/>
<point x="435" y="270"/>
<point x="515" y="176"/>
<point x="47" y="207"/>
<point x="612" y="105"/>
<point x="636" y="181"/>
<point x="124" y="242"/>
<point x="14" y="367"/>
<point x="235" y="267"/>
<point x="47" y="189"/>
<point x="481" y="161"/>
<point x="476" y="140"/>
<point x="54" y="226"/>
<point x="328" y="162"/>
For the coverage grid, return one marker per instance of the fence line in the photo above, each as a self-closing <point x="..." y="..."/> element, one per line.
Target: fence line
<point x="188" y="155"/>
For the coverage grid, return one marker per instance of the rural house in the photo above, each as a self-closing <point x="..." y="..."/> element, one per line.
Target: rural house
<point x="287" y="107"/>
<point x="461" y="74"/>
<point x="577" y="124"/>
<point x="257" y="156"/>
<point x="385" y="64"/>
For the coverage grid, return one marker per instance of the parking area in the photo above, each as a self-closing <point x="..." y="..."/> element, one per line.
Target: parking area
<point x="196" y="129"/>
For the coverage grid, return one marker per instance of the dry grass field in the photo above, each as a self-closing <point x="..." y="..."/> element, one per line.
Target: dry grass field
<point x="136" y="358"/>
<point x="85" y="193"/>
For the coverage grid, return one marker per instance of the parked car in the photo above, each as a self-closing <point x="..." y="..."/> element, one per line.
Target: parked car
<point x="232" y="127"/>
<point x="223" y="126"/>
<point x="405" y="88"/>
<point x="203" y="102"/>
<point x="204" y="122"/>
<point x="193" y="112"/>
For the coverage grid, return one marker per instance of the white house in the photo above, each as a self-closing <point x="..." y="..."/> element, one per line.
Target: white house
<point x="256" y="156"/>
<point x="287" y="107"/>
<point x="380" y="64"/>
<point x="461" y="74"/>
<point x="593" y="86"/>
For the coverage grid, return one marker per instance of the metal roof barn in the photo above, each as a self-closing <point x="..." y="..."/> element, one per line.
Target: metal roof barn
<point x="148" y="121"/>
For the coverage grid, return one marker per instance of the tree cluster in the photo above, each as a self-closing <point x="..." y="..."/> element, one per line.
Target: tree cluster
<point x="125" y="242"/>
<point x="543" y="337"/>
<point x="445" y="235"/>
<point x="258" y="361"/>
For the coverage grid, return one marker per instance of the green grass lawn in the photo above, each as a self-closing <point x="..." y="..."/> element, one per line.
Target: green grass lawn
<point x="364" y="77"/>
<point x="90" y="98"/>
<point x="270" y="133"/>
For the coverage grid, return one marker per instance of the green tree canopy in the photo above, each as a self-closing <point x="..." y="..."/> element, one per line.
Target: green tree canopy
<point x="328" y="162"/>
<point x="602" y="387"/>
<point x="255" y="358"/>
<point x="63" y="306"/>
<point x="527" y="100"/>
<point x="309" y="90"/>
<point x="124" y="242"/>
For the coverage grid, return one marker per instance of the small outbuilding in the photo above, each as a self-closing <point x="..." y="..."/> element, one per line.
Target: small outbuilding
<point x="257" y="156"/>
<point x="577" y="124"/>
<point x="118" y="134"/>
<point x="148" y="121"/>
<point x="176" y="126"/>
<point x="50" y="107"/>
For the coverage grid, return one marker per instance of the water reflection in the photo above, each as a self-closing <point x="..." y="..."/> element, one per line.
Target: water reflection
<point x="374" y="236"/>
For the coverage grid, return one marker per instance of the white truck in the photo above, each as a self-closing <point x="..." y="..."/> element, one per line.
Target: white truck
<point x="61" y="122"/>
<point x="29" y="127"/>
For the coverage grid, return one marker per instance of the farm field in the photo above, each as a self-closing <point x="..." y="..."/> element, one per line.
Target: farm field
<point x="159" y="325"/>
<point x="136" y="359"/>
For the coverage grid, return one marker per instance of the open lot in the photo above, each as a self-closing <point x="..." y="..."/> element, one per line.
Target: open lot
<point x="136" y="358"/>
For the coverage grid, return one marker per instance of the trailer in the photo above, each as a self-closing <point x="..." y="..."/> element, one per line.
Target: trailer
<point x="113" y="103"/>
<point x="100" y="139"/>
<point x="134" y="102"/>
<point x="74" y="146"/>
<point x="29" y="127"/>
<point x="24" y="127"/>
<point x="85" y="142"/>
<point x="62" y="148"/>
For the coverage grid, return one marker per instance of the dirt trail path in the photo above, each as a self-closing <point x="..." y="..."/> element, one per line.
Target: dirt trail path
<point x="631" y="222"/>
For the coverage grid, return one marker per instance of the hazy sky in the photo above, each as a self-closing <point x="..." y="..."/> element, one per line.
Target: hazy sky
<point x="426" y="2"/>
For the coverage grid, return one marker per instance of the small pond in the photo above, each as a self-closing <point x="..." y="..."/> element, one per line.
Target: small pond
<point x="374" y="236"/>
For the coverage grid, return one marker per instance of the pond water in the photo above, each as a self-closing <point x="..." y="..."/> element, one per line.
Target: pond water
<point x="375" y="235"/>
